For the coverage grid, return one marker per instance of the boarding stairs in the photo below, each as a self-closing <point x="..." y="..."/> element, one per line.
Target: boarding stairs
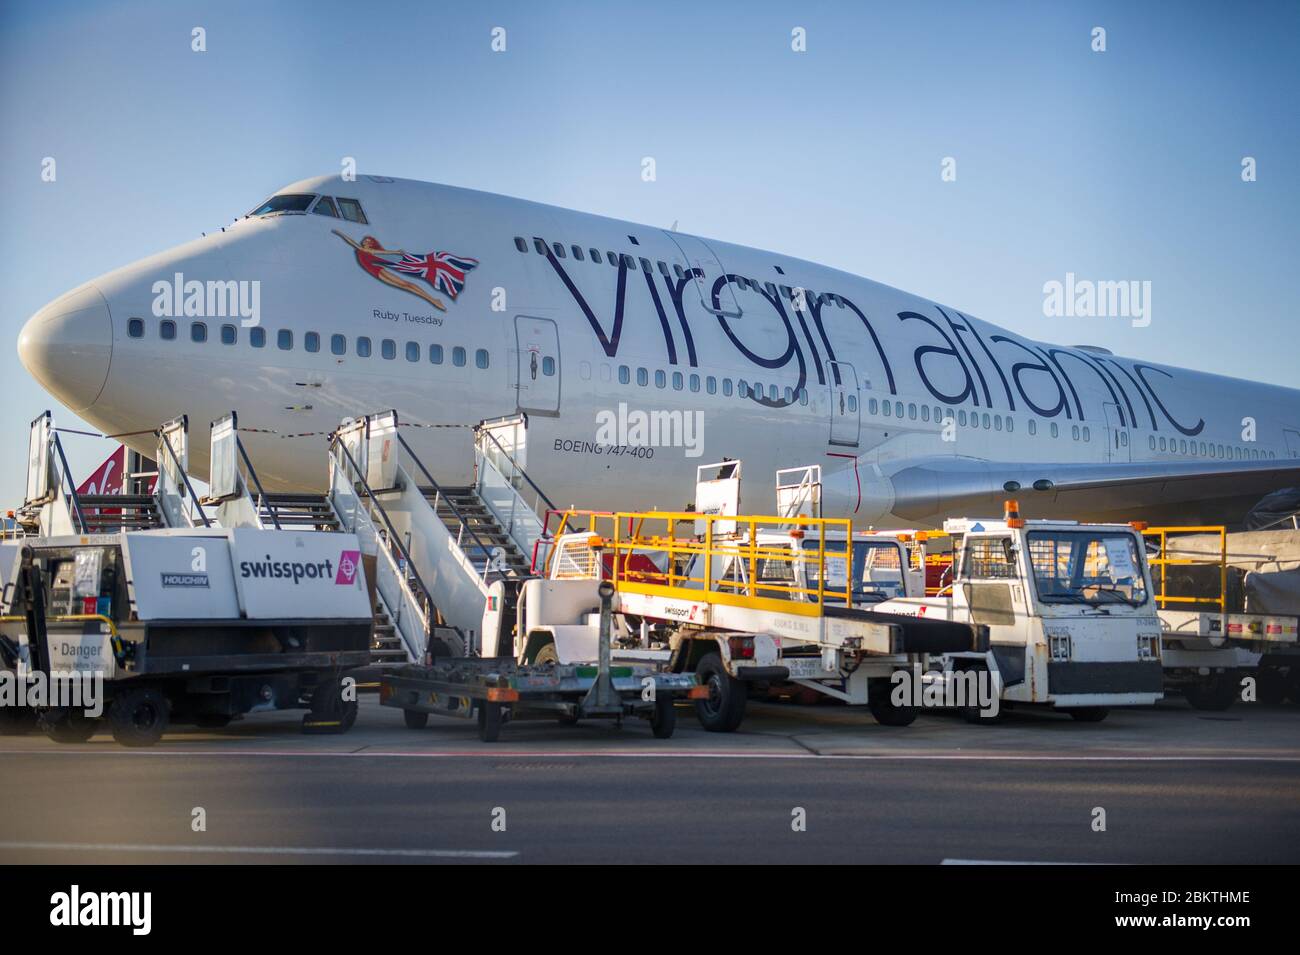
<point x="54" y="507"/>
<point x="438" y="549"/>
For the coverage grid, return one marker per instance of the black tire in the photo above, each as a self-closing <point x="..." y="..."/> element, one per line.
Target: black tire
<point x="1088" y="714"/>
<point x="724" y="708"/>
<point x="66" y="725"/>
<point x="1213" y="694"/>
<point x="330" y="713"/>
<point x="489" y="721"/>
<point x="567" y="719"/>
<point x="547" y="654"/>
<point x="139" y="716"/>
<point x="881" y="704"/>
<point x="664" y="718"/>
<point x="415" y="719"/>
<point x="212" y="721"/>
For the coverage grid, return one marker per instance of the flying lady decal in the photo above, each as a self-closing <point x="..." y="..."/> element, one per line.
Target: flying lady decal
<point x="444" y="272"/>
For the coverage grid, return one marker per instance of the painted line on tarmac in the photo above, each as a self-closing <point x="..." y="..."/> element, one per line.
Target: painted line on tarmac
<point x="671" y="754"/>
<point x="254" y="850"/>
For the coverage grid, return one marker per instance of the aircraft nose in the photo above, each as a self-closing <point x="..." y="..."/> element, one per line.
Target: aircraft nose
<point x="68" y="345"/>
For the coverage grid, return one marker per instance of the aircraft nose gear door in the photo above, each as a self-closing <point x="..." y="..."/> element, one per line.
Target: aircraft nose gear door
<point x="844" y="404"/>
<point x="537" y="382"/>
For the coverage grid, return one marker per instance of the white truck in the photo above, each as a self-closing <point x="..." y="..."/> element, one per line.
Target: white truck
<point x="1069" y="609"/>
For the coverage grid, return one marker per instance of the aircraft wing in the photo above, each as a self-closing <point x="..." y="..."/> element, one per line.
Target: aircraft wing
<point x="1159" y="492"/>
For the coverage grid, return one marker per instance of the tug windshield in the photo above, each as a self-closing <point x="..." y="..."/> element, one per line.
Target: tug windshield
<point x="1087" y="567"/>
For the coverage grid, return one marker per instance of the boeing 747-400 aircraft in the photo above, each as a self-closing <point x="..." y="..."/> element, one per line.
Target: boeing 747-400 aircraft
<point x="637" y="353"/>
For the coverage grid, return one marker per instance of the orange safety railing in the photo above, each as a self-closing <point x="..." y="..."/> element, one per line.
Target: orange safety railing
<point x="660" y="552"/>
<point x="1162" y="561"/>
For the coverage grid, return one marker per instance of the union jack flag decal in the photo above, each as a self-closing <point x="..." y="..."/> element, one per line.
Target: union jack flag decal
<point x="445" y="271"/>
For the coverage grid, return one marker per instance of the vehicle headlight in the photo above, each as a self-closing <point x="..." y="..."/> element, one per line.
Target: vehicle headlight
<point x="1148" y="646"/>
<point x="1059" y="644"/>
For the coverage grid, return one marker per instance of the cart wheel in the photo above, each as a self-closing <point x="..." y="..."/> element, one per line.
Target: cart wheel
<point x="567" y="719"/>
<point x="64" y="725"/>
<point x="489" y="721"/>
<point x="330" y="713"/>
<point x="664" y="719"/>
<point x="1215" y="693"/>
<point x="724" y="708"/>
<point x="139" y="716"/>
<point x="1089" y="714"/>
<point x="880" y="702"/>
<point x="415" y="719"/>
<point x="547" y="654"/>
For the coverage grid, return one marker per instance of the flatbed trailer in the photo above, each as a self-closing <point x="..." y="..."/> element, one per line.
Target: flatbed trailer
<point x="1210" y="639"/>
<point x="498" y="690"/>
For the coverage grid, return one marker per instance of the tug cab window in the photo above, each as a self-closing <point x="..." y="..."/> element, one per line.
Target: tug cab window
<point x="351" y="210"/>
<point x="289" y="202"/>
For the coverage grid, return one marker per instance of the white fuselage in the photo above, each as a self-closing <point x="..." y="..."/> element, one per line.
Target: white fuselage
<point x="853" y="375"/>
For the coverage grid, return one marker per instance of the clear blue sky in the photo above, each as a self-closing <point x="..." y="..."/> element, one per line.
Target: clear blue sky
<point x="1120" y="165"/>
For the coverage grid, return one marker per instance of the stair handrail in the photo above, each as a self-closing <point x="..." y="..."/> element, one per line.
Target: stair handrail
<point x="464" y="524"/>
<point x="66" y="479"/>
<point x="262" y="498"/>
<point x="194" y="498"/>
<point x="515" y="464"/>
<point x="394" y="539"/>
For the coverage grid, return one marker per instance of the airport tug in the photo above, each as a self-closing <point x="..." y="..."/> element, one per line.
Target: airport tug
<point x="1069" y="608"/>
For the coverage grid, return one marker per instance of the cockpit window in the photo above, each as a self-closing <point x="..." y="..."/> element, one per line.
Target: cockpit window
<point x="288" y="202"/>
<point x="351" y="210"/>
<point x="325" y="207"/>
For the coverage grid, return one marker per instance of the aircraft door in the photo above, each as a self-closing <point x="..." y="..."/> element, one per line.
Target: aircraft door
<point x="1292" y="442"/>
<point x="844" y="409"/>
<point x="537" y="377"/>
<point x="1117" y="447"/>
<point x="699" y="259"/>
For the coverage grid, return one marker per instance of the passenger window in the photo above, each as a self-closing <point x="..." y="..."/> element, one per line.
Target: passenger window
<point x="363" y="347"/>
<point x="646" y="267"/>
<point x="350" y="209"/>
<point x="458" y="357"/>
<point x="167" y="329"/>
<point x="726" y="387"/>
<point x="435" y="354"/>
<point x="661" y="380"/>
<point x="311" y="342"/>
<point x="1056" y="430"/>
<point x="678" y="269"/>
<point x="338" y="344"/>
<point x="481" y="358"/>
<point x="595" y="255"/>
<point x="873" y="406"/>
<point x="520" y="244"/>
<point x="624" y="374"/>
<point x="911" y="411"/>
<point x="284" y="339"/>
<point x="325" y="207"/>
<point x="711" y="385"/>
<point x="853" y="402"/>
<point x="229" y="334"/>
<point x="198" y="332"/>
<point x="135" y="328"/>
<point x="577" y="252"/>
<point x="886" y="409"/>
<point x="695" y="382"/>
<point x="663" y="267"/>
<point x="678" y="381"/>
<point x="925" y="412"/>
<point x="412" y="351"/>
<point x="257" y="337"/>
<point x="388" y="349"/>
<point x="548" y="366"/>
<point x="612" y="259"/>
<point x="559" y="250"/>
<point x="642" y="377"/>
<point x="539" y="246"/>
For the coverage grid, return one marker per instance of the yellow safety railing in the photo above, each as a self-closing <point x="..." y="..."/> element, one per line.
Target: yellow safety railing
<point x="660" y="553"/>
<point x="1162" y="561"/>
